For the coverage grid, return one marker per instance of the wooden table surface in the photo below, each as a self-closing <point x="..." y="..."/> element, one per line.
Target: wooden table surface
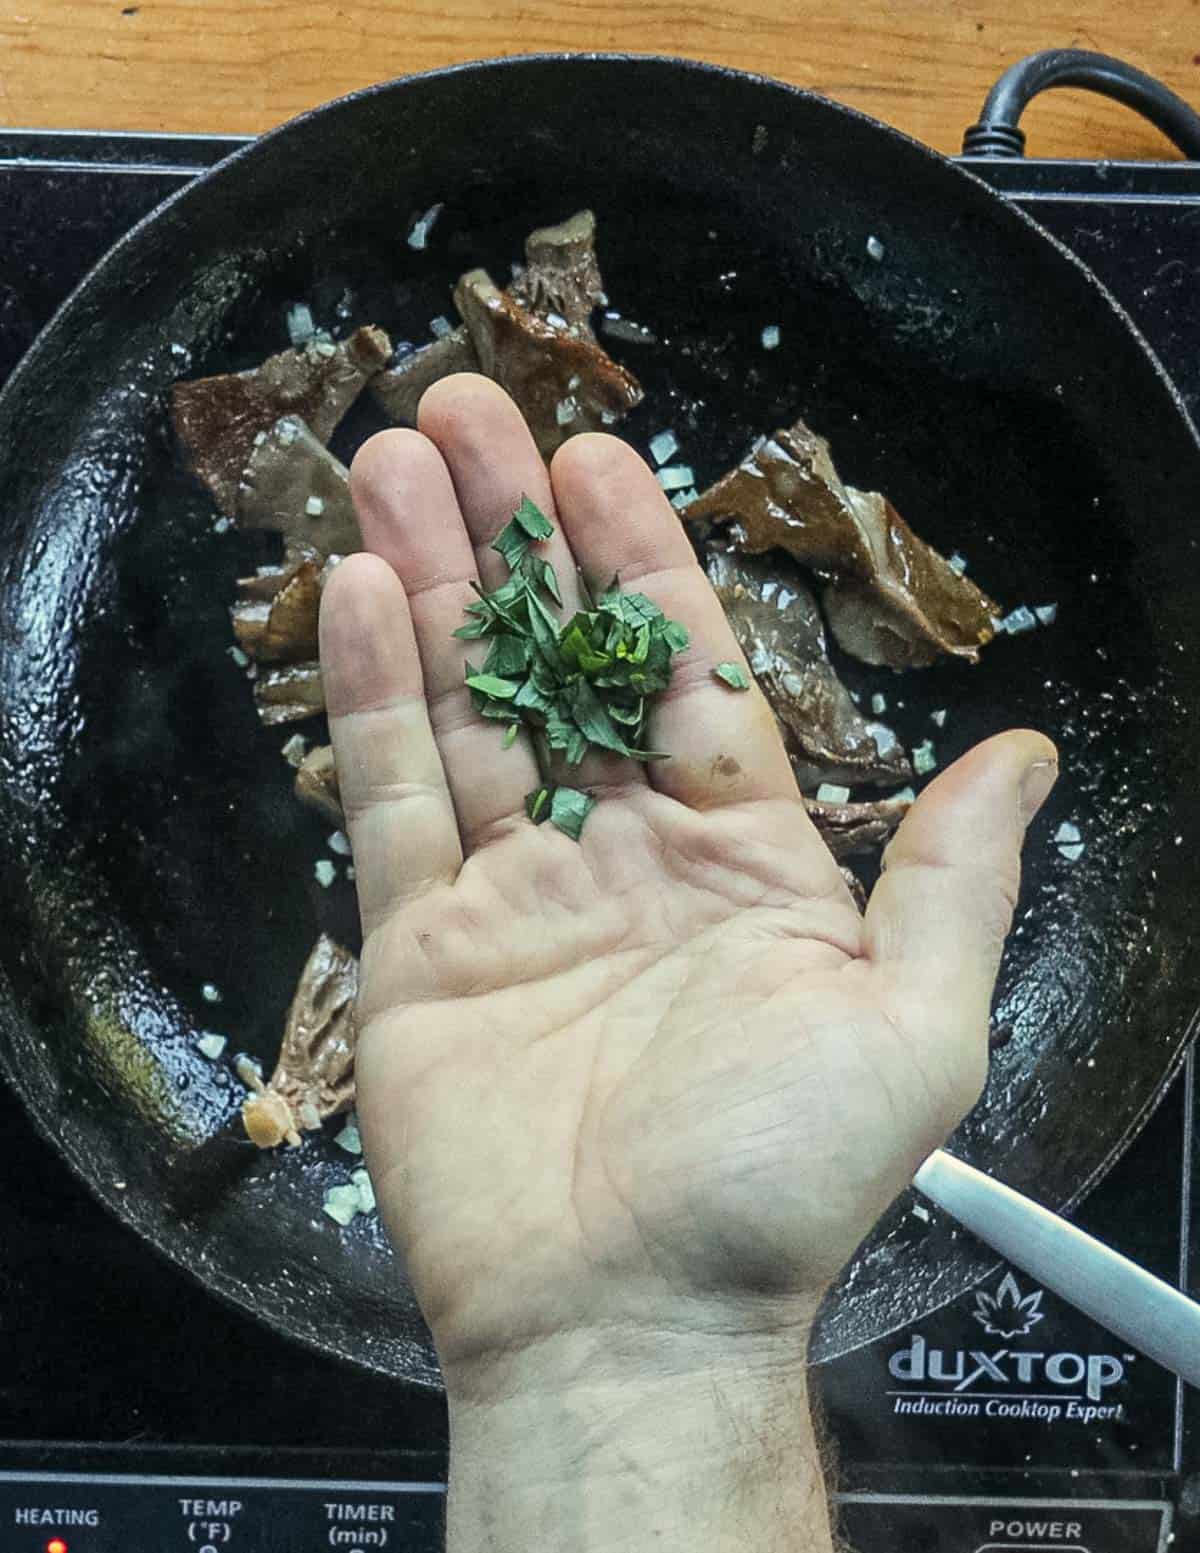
<point x="240" y="66"/>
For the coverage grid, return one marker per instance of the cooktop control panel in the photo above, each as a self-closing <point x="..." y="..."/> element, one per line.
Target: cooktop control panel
<point x="62" y="1513"/>
<point x="947" y="1523"/>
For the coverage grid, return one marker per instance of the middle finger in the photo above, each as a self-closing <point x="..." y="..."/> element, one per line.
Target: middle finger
<point x="493" y="462"/>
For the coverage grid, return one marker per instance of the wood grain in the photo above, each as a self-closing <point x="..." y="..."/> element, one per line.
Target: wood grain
<point x="241" y="66"/>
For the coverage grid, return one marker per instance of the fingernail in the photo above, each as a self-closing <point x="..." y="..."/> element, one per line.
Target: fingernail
<point x="1036" y="786"/>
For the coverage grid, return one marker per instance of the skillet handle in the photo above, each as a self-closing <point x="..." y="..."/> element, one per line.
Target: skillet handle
<point x="996" y="134"/>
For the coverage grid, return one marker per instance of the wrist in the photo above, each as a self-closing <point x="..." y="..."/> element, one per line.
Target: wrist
<point x="619" y="1438"/>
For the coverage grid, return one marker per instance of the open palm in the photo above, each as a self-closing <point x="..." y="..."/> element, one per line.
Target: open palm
<point x="670" y="1065"/>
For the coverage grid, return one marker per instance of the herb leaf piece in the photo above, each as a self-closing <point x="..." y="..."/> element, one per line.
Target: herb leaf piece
<point x="511" y="542"/>
<point x="493" y="685"/>
<point x="592" y="719"/>
<point x="569" y="808"/>
<point x="536" y="804"/>
<point x="733" y="675"/>
<point x="530" y="517"/>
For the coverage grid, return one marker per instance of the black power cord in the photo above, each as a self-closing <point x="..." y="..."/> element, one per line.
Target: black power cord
<point x="997" y="133"/>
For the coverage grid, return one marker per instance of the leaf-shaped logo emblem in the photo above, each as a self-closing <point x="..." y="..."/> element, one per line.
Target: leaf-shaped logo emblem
<point x="1008" y="1313"/>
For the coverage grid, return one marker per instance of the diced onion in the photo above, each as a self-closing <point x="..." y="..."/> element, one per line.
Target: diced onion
<point x="938" y="718"/>
<point x="211" y="1045"/>
<point x="1019" y="620"/>
<point x="349" y="1139"/>
<point x="923" y="758"/>
<point x="676" y="477"/>
<point x="1073" y="852"/>
<point x="1047" y="613"/>
<point x="875" y="249"/>
<point x="295" y="749"/>
<point x="440" y="327"/>
<point x="339" y="842"/>
<point x="904" y="795"/>
<point x="222" y="525"/>
<point x="314" y="507"/>
<point x="238" y="656"/>
<point x="625" y="329"/>
<point x="1067" y="832"/>
<point x="682" y="499"/>
<point x="565" y="411"/>
<point x="300" y="326"/>
<point x="830" y="792"/>
<point x="366" y="1192"/>
<point x="288" y="432"/>
<point x="418" y="234"/>
<point x="663" y="446"/>
<point x="209" y="993"/>
<point x="352" y="873"/>
<point x="958" y="563"/>
<point x="885" y="740"/>
<point x="325" y="872"/>
<point x="325" y="347"/>
<point x="920" y="1211"/>
<point x="770" y="337"/>
<point x="878" y="704"/>
<point x="341" y="1203"/>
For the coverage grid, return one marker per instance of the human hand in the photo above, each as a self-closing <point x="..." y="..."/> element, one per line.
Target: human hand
<point x="670" y="1065"/>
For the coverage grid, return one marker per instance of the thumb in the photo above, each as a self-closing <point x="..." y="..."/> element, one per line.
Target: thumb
<point x="942" y="908"/>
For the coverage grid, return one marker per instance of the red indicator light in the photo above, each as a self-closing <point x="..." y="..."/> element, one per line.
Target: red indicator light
<point x="56" y="1545"/>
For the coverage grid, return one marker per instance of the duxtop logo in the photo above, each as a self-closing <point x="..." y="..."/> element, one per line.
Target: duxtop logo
<point x="1006" y="1381"/>
<point x="1006" y="1313"/>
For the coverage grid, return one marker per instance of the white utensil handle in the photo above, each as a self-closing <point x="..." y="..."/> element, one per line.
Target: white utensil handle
<point x="1155" y="1318"/>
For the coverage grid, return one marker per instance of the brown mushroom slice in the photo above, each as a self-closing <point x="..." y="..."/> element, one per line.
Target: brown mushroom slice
<point x="561" y="279"/>
<point x="778" y="627"/>
<point x="289" y="694"/>
<point x="399" y="389"/>
<point x="314" y="1077"/>
<point x="891" y="598"/>
<point x="284" y="629"/>
<point x="913" y="606"/>
<point x="219" y="418"/>
<point x="293" y="485"/>
<point x="849" y="828"/>
<point x="561" y="383"/>
<point x="269" y="581"/>
<point x="316" y="784"/>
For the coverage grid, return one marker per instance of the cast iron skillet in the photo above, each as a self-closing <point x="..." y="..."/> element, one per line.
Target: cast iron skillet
<point x="975" y="372"/>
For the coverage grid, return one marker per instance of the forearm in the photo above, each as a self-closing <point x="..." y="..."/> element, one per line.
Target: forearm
<point x="580" y="1448"/>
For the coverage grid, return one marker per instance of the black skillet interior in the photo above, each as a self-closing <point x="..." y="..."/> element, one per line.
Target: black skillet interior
<point x="970" y="370"/>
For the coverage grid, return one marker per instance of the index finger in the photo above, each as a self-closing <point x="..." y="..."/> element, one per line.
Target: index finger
<point x="393" y="788"/>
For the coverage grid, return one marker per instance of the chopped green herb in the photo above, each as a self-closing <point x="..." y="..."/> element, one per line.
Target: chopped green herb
<point x="733" y="675"/>
<point x="510" y="736"/>
<point x="568" y="810"/>
<point x="512" y="542"/>
<point x="493" y="685"/>
<point x="577" y="685"/>
<point x="535" y="804"/>
<point x="532" y="519"/>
